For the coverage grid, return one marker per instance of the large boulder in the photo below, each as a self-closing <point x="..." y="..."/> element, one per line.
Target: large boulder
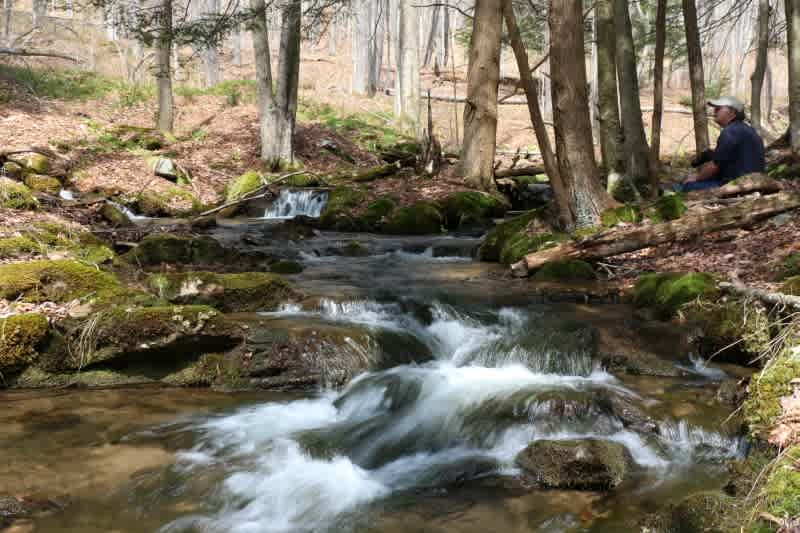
<point x="42" y="183"/>
<point x="248" y="291"/>
<point x="469" y="209"/>
<point x="57" y="281"/>
<point x="21" y="338"/>
<point x="565" y="270"/>
<point x="666" y="292"/>
<point x="160" y="248"/>
<point x="422" y="218"/>
<point x="32" y="162"/>
<point x="509" y="241"/>
<point x="587" y="464"/>
<point x="339" y="213"/>
<point x="15" y="195"/>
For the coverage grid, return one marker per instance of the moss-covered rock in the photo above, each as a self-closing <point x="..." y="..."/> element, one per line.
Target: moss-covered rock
<point x="377" y="212"/>
<point x="466" y="209"/>
<point x="286" y="267"/>
<point x="790" y="266"/>
<point x="32" y="162"/>
<point x="15" y="195"/>
<point x="175" y="202"/>
<point x="791" y="286"/>
<point x="12" y="170"/>
<point x="58" y="281"/>
<point x="497" y="237"/>
<point x="114" y="216"/>
<point x="668" y="207"/>
<point x="733" y="329"/>
<point x="17" y="246"/>
<point x="586" y="464"/>
<point x="762" y="406"/>
<point x="244" y="184"/>
<point x="21" y="337"/>
<point x="130" y="137"/>
<point x="42" y="183"/>
<point x="339" y="213"/>
<point x="565" y="270"/>
<point x="666" y="292"/>
<point x="160" y="248"/>
<point x="524" y="242"/>
<point x="702" y="512"/>
<point x="305" y="180"/>
<point x="421" y="218"/>
<point x="781" y="492"/>
<point x="355" y="249"/>
<point x="248" y="291"/>
<point x="625" y="213"/>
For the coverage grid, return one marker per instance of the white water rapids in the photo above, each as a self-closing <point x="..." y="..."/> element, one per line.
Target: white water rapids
<point x="292" y="203"/>
<point x="305" y="465"/>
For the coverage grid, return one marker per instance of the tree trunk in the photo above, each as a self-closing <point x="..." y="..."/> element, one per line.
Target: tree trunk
<point x="430" y="47"/>
<point x="237" y="46"/>
<point x="362" y="46"/>
<point x="573" y="129"/>
<point x="542" y="139"/>
<point x="271" y="124"/>
<point x="378" y="32"/>
<point x="757" y="79"/>
<point x="608" y="99"/>
<point x="7" y="6"/>
<point x="480" y="110"/>
<point x="615" y="242"/>
<point x="406" y="99"/>
<point x="637" y="154"/>
<point x="288" y="80"/>
<point x="39" y="12"/>
<point x="793" y="45"/>
<point x="658" y="81"/>
<point x="695" y="53"/>
<point x="444" y="50"/>
<point x="166" y="114"/>
<point x="333" y="35"/>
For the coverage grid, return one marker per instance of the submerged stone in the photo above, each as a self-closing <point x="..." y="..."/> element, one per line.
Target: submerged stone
<point x="286" y="267"/>
<point x="587" y="464"/>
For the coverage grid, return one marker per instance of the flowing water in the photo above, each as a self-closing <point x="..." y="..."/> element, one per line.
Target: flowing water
<point x="423" y="443"/>
<point x="292" y="203"/>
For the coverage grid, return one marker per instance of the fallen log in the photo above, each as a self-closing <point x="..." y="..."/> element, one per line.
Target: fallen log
<point x="34" y="53"/>
<point x="615" y="242"/>
<point x="773" y="298"/>
<point x="519" y="171"/>
<point x="747" y="184"/>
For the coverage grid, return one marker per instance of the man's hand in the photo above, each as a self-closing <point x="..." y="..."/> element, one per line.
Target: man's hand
<point x="691" y="179"/>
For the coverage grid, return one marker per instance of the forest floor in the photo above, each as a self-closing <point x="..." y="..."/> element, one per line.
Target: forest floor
<point x="216" y="141"/>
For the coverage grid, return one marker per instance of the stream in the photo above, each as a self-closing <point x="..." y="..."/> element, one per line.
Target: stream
<point x="425" y="442"/>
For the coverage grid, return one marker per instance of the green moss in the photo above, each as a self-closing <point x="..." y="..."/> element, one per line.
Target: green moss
<point x="12" y="170"/>
<point x="355" y="249"/>
<point x="32" y="162"/>
<point x="625" y="213"/>
<point x="14" y="195"/>
<point x="710" y="511"/>
<point x="791" y="286"/>
<point x="244" y="184"/>
<point x="305" y="180"/>
<point x="733" y="328"/>
<point x="422" y="218"/>
<point x="338" y="213"/>
<point x="127" y="137"/>
<point x="469" y="208"/>
<point x="668" y="207"/>
<point x="520" y="244"/>
<point x="249" y="291"/>
<point x="42" y="183"/>
<point x="666" y="292"/>
<point x="782" y="489"/>
<point x="114" y="216"/>
<point x="17" y="246"/>
<point x="286" y="267"/>
<point x="762" y="405"/>
<point x="372" y="174"/>
<point x="58" y="281"/>
<point x="21" y="336"/>
<point x="497" y="237"/>
<point x="790" y="266"/>
<point x="566" y="270"/>
<point x="161" y="248"/>
<point x="377" y="211"/>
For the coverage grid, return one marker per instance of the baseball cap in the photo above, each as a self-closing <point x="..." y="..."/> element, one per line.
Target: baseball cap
<point x="727" y="101"/>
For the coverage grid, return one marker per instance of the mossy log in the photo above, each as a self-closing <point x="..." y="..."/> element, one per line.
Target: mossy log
<point x="616" y="242"/>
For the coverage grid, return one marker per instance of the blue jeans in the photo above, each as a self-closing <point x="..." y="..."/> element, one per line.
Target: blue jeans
<point x="697" y="185"/>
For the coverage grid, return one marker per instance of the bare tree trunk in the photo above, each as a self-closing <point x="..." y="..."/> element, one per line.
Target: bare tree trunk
<point x="431" y="46"/>
<point x="166" y="113"/>
<point x="531" y="93"/>
<point x="636" y="151"/>
<point x="378" y="32"/>
<point x="406" y="100"/>
<point x="770" y="99"/>
<point x="608" y="99"/>
<point x="333" y="35"/>
<point x="793" y="45"/>
<point x="696" y="75"/>
<point x="658" y="80"/>
<point x="444" y="50"/>
<point x="362" y="46"/>
<point x="757" y="79"/>
<point x="39" y="12"/>
<point x="237" y="46"/>
<point x="573" y="129"/>
<point x="480" y="110"/>
<point x="7" y="6"/>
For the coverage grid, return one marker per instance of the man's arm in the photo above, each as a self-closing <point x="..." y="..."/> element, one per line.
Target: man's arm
<point x="707" y="172"/>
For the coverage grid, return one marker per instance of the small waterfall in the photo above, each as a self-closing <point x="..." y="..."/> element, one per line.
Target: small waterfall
<point x="66" y="194"/>
<point x="291" y="203"/>
<point x="128" y="213"/>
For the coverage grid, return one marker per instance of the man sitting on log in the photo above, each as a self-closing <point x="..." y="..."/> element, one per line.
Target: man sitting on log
<point x="739" y="150"/>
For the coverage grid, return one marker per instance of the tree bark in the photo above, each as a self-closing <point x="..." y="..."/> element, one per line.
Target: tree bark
<point x="608" y="99"/>
<point x="430" y="47"/>
<point x="617" y="242"/>
<point x="637" y="154"/>
<point x="7" y="7"/>
<point x="757" y="79"/>
<point x="658" y="81"/>
<point x="406" y="100"/>
<point x="480" y="111"/>
<point x="573" y="129"/>
<point x="793" y="45"/>
<point x="697" y="77"/>
<point x="166" y="114"/>
<point x="362" y="46"/>
<point x="288" y="81"/>
<point x="542" y="139"/>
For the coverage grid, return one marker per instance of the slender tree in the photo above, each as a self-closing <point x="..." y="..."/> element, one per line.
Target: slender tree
<point x="480" y="109"/>
<point x="637" y="153"/>
<point x="573" y="129"/>
<point x="658" y="81"/>
<point x="793" y="44"/>
<point x="166" y="113"/>
<point x="608" y="99"/>
<point x="697" y="76"/>
<point x="757" y="79"/>
<point x="406" y="100"/>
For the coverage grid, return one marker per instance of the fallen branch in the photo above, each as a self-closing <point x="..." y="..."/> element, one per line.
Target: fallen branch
<point x="34" y="53"/>
<point x="519" y="171"/>
<point x="257" y="194"/>
<point x="615" y="242"/>
<point x="774" y="298"/>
